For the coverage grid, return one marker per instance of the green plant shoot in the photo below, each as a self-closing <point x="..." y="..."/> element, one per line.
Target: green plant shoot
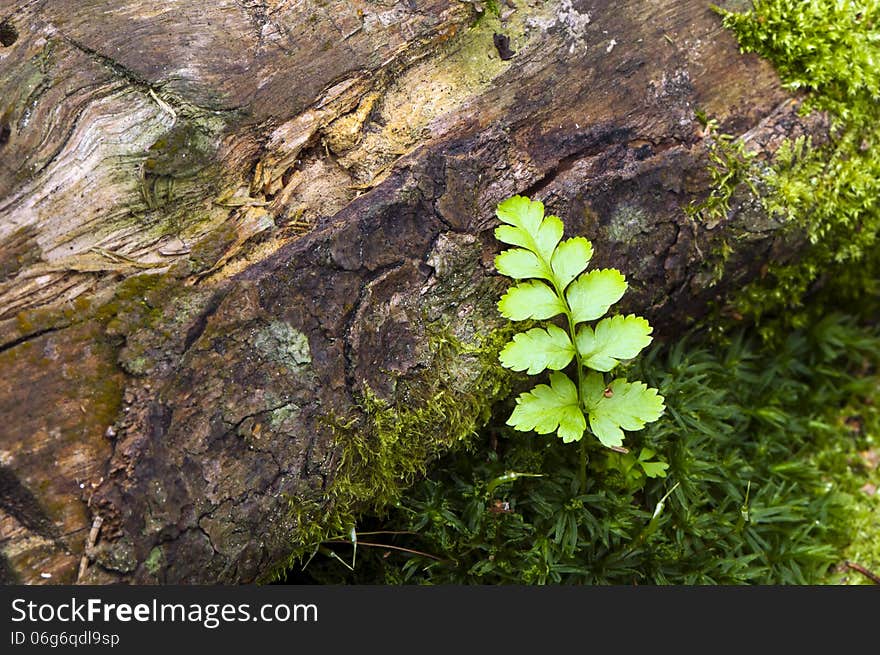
<point x="554" y="282"/>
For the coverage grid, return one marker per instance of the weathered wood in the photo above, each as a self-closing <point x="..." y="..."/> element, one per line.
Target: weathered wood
<point x="223" y="224"/>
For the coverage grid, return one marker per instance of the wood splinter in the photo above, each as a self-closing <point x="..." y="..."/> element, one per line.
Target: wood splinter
<point x="90" y="545"/>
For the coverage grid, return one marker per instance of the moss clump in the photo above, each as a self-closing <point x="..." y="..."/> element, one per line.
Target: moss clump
<point x="42" y="319"/>
<point x="831" y="194"/>
<point x="826" y="47"/>
<point x="130" y="296"/>
<point x="385" y="450"/>
<point x="154" y="561"/>
<point x="730" y="167"/>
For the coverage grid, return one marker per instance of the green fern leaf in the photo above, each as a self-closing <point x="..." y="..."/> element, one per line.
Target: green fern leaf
<point x="553" y="408"/>
<point x="530" y="300"/>
<point x="538" y="349"/>
<point x="620" y="406"/>
<point x="614" y="339"/>
<point x="571" y="259"/>
<point x="521" y="264"/>
<point x="593" y="293"/>
<point x="527" y="227"/>
<point x="652" y="469"/>
<point x="555" y="282"/>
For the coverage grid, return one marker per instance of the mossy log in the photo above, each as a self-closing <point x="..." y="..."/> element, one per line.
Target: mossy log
<point x="246" y="280"/>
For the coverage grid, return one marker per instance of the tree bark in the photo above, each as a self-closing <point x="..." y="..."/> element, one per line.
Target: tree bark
<point x="227" y="229"/>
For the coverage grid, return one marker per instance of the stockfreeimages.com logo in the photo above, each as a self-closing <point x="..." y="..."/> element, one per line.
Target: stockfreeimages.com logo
<point x="209" y="615"/>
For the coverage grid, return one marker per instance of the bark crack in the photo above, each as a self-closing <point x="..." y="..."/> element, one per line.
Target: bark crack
<point x="18" y="501"/>
<point x="597" y="142"/>
<point x="201" y="322"/>
<point x="9" y="345"/>
<point x="135" y="79"/>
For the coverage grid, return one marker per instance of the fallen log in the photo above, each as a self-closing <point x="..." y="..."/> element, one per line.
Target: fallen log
<point x="246" y="248"/>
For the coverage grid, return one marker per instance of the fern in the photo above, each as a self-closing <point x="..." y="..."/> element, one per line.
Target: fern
<point x="554" y="282"/>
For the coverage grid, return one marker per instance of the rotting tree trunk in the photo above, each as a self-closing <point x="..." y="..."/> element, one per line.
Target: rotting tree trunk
<point x="223" y="225"/>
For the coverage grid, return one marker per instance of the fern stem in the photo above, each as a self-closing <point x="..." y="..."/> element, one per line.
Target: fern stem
<point x="583" y="468"/>
<point x="580" y="375"/>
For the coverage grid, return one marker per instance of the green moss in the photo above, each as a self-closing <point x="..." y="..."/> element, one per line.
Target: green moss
<point x="389" y="446"/>
<point x="730" y="167"/>
<point x="103" y="389"/>
<point x="483" y="8"/>
<point x="851" y="464"/>
<point x="32" y="321"/>
<point x="827" y="47"/>
<point x="129" y="306"/>
<point x="154" y="561"/>
<point x="148" y="311"/>
<point x="828" y="194"/>
<point x="763" y="444"/>
<point x="208" y="250"/>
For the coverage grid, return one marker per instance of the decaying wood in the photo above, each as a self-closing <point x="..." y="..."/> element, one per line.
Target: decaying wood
<point x="310" y="186"/>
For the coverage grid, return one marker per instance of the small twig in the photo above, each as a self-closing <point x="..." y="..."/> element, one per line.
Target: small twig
<point x="405" y="550"/>
<point x="361" y="534"/>
<point x="873" y="577"/>
<point x="90" y="544"/>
